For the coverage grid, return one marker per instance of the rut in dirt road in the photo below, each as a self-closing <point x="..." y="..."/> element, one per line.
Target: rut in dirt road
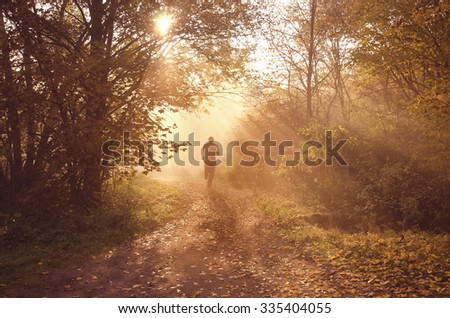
<point x="218" y="246"/>
<point x="215" y="251"/>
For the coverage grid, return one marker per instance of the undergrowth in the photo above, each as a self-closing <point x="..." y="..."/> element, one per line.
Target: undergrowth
<point x="47" y="237"/>
<point x="400" y="264"/>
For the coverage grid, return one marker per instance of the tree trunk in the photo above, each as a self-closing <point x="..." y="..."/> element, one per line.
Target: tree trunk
<point x="29" y="102"/>
<point x="96" y="105"/>
<point x="311" y="53"/>
<point x="13" y="124"/>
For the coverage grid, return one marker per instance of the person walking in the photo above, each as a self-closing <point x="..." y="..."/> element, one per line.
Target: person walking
<point x="210" y="151"/>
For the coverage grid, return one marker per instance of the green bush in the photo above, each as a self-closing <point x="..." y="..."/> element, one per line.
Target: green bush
<point x="396" y="179"/>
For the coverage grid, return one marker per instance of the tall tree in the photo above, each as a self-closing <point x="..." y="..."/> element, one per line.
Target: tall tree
<point x="311" y="50"/>
<point x="408" y="43"/>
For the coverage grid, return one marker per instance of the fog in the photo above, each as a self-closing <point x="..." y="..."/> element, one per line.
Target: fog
<point x="219" y="118"/>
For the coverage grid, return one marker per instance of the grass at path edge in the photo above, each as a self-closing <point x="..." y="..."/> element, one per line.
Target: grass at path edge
<point x="37" y="242"/>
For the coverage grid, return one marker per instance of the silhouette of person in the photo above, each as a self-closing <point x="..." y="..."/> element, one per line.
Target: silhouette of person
<point x="210" y="151"/>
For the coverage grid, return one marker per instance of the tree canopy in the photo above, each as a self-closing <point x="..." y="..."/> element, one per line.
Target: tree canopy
<point x="77" y="73"/>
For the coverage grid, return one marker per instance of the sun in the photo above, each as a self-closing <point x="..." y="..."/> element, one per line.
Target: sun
<point x="163" y="23"/>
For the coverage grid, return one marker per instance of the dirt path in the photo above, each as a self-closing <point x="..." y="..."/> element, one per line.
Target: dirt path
<point x="219" y="246"/>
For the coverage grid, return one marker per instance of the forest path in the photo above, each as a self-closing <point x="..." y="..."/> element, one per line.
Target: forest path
<point x="219" y="245"/>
